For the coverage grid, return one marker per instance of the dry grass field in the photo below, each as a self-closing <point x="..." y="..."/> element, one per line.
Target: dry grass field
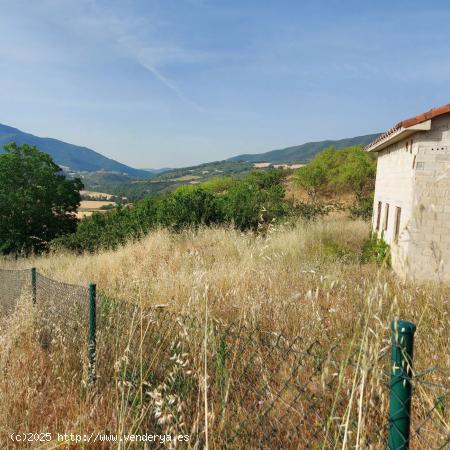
<point x="160" y="372"/>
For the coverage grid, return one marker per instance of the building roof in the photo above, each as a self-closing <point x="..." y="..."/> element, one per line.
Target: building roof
<point x="407" y="127"/>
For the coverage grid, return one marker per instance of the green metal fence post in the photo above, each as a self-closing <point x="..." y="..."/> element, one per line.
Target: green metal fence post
<point x="92" y="346"/>
<point x="33" y="284"/>
<point x="400" y="384"/>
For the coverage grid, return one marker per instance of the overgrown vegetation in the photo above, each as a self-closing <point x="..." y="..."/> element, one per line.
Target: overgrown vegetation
<point x="362" y="208"/>
<point x="249" y="203"/>
<point x="351" y="170"/>
<point x="377" y="251"/>
<point x="252" y="201"/>
<point x="163" y="183"/>
<point x="180" y="369"/>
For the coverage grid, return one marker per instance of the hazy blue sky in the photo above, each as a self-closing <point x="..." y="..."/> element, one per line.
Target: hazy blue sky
<point x="172" y="83"/>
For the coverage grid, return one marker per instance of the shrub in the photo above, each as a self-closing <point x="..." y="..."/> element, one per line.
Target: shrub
<point x="110" y="229"/>
<point x="248" y="203"/>
<point x="189" y="206"/>
<point x="376" y="250"/>
<point x="256" y="200"/>
<point x="337" y="250"/>
<point x="310" y="211"/>
<point x="218" y="185"/>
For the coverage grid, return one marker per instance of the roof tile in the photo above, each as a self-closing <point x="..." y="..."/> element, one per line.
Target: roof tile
<point x="432" y="113"/>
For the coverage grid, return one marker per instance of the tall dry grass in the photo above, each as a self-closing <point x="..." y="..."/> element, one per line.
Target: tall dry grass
<point x="298" y="298"/>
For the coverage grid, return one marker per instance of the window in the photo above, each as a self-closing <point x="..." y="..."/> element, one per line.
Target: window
<point x="386" y="217"/>
<point x="379" y="215"/>
<point x="398" y="216"/>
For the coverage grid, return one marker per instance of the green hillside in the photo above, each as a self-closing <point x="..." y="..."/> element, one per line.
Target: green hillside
<point x="163" y="182"/>
<point x="172" y="178"/>
<point x="304" y="152"/>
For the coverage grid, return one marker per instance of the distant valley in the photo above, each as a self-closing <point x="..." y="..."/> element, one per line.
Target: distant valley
<point x="103" y="174"/>
<point x="290" y="157"/>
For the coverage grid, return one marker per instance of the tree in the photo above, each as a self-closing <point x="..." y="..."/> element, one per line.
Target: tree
<point x="37" y="203"/>
<point x="346" y="170"/>
<point x="311" y="178"/>
<point x="357" y="172"/>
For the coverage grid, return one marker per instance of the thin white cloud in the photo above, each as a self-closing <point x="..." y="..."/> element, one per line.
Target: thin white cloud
<point x="169" y="84"/>
<point x="94" y="29"/>
<point x="124" y="31"/>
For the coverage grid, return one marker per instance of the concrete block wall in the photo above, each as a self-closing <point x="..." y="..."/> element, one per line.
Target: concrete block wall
<point x="428" y="255"/>
<point x="414" y="175"/>
<point x="393" y="187"/>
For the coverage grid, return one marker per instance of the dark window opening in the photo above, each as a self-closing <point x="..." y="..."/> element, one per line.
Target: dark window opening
<point x="378" y="215"/>
<point x="398" y="216"/>
<point x="386" y="217"/>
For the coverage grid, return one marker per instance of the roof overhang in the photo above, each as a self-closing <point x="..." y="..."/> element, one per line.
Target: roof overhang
<point x="398" y="135"/>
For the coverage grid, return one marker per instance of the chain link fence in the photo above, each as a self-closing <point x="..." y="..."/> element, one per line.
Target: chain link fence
<point x="178" y="374"/>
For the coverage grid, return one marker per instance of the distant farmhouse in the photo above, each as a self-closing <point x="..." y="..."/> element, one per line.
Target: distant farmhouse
<point x="412" y="194"/>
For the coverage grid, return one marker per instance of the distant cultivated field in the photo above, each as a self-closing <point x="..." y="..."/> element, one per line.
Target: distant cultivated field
<point x="88" y="207"/>
<point x="94" y="194"/>
<point x="187" y="178"/>
<point x="265" y="165"/>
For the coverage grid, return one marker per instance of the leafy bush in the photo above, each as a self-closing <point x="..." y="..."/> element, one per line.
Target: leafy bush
<point x="309" y="211"/>
<point x="336" y="250"/>
<point x="347" y="170"/>
<point x="248" y="203"/>
<point x="218" y="185"/>
<point x="111" y="229"/>
<point x="188" y="206"/>
<point x="256" y="200"/>
<point x="376" y="250"/>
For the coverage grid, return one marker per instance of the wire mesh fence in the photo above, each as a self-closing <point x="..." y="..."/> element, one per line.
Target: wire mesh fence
<point x="178" y="374"/>
<point x="61" y="316"/>
<point x="14" y="285"/>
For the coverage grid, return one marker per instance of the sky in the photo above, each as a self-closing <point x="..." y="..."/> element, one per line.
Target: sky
<point x="173" y="83"/>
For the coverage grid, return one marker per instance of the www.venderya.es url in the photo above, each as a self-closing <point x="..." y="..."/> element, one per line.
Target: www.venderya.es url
<point x="97" y="437"/>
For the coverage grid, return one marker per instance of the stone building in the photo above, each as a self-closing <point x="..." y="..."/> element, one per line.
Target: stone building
<point x="412" y="194"/>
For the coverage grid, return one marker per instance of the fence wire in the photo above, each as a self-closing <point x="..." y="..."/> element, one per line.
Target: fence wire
<point x="62" y="323"/>
<point x="264" y="390"/>
<point x="14" y="284"/>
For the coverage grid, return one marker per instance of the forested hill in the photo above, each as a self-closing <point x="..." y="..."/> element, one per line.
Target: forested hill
<point x="74" y="157"/>
<point x="304" y="152"/>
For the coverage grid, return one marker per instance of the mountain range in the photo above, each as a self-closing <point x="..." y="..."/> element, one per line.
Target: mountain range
<point x="74" y="158"/>
<point x="71" y="157"/>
